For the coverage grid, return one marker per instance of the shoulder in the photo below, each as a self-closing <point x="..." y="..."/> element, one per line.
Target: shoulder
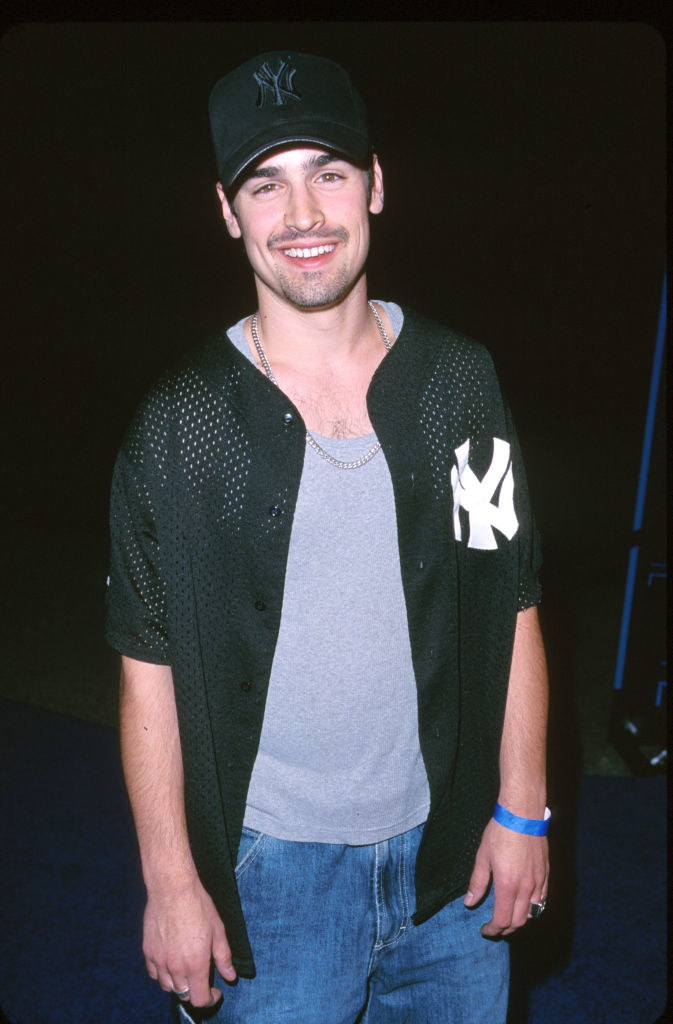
<point x="185" y="390"/>
<point x="447" y="377"/>
<point x="444" y="348"/>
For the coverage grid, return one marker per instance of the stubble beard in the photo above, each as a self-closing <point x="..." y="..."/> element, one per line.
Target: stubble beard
<point x="313" y="291"/>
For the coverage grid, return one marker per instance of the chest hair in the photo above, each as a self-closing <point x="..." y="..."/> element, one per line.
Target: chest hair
<point x="330" y="406"/>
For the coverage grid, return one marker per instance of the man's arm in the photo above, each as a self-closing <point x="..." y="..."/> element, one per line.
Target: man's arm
<point x="519" y="864"/>
<point x="182" y="931"/>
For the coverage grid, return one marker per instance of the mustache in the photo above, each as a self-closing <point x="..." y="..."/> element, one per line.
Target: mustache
<point x="286" y="239"/>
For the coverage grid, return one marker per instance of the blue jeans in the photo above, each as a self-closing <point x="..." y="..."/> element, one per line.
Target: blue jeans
<point x="331" y="932"/>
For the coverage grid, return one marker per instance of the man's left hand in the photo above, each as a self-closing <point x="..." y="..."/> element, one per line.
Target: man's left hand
<point x="519" y="866"/>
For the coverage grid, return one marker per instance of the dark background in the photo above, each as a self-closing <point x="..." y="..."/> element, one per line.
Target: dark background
<point x="524" y="166"/>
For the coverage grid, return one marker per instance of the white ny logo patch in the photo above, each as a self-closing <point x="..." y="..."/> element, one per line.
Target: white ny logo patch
<point x="475" y="496"/>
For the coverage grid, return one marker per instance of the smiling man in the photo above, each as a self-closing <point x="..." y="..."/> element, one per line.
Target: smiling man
<point x="323" y="586"/>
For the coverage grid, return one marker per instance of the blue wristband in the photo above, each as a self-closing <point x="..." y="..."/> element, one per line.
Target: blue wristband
<point x="527" y="826"/>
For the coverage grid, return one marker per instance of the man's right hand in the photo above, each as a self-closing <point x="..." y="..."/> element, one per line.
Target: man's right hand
<point x="182" y="934"/>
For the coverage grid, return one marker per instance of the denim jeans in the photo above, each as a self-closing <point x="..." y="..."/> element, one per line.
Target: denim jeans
<point x="331" y="932"/>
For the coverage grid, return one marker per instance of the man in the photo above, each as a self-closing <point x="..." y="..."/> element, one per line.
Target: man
<point x="323" y="587"/>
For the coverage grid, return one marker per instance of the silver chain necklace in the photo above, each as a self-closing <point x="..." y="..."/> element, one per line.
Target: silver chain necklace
<point x="310" y="440"/>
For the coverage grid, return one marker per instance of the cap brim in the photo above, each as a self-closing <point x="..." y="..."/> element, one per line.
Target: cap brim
<point x="342" y="140"/>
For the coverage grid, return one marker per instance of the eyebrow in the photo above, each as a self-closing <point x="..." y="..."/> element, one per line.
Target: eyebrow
<point x="317" y="160"/>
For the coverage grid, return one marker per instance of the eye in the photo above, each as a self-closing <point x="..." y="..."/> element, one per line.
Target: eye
<point x="330" y="176"/>
<point x="265" y="189"/>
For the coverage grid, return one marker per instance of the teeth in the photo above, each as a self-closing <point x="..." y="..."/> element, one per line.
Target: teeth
<point x="304" y="254"/>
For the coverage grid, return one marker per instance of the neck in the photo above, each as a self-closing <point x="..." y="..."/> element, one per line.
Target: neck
<point x="316" y="336"/>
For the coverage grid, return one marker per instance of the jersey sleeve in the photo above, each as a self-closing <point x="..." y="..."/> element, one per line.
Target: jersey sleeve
<point x="530" y="550"/>
<point x="136" y="587"/>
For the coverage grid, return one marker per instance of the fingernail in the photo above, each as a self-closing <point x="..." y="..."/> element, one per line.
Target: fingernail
<point x="469" y="898"/>
<point x="229" y="973"/>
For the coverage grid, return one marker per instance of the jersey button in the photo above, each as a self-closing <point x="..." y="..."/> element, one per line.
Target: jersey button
<point x="288" y="418"/>
<point x="260" y="606"/>
<point x="246" y="686"/>
<point x="274" y="510"/>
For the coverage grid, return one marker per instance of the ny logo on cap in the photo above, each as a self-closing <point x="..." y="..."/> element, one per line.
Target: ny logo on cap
<point x="275" y="86"/>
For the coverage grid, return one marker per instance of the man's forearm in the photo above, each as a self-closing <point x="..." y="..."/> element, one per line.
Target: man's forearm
<point x="523" y="750"/>
<point x="182" y="931"/>
<point x="152" y="761"/>
<point x="518" y="864"/>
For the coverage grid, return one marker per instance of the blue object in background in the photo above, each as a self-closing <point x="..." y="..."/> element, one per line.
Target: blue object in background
<point x="639" y="708"/>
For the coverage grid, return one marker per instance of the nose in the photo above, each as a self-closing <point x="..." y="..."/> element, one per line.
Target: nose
<point x="303" y="211"/>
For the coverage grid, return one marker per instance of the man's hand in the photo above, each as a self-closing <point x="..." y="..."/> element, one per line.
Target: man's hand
<point x="519" y="866"/>
<point x="182" y="934"/>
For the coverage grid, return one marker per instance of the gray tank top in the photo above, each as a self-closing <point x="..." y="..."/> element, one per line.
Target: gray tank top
<point x="339" y="759"/>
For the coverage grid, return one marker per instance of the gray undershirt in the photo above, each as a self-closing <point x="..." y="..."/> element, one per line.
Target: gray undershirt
<point x="339" y="759"/>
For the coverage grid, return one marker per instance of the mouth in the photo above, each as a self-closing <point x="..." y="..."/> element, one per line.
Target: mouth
<point x="308" y="253"/>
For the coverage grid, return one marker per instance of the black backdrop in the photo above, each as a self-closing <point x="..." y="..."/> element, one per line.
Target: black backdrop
<point x="524" y="167"/>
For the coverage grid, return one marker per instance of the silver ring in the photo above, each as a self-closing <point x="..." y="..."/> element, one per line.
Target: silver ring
<point x="536" y="909"/>
<point x="183" y="994"/>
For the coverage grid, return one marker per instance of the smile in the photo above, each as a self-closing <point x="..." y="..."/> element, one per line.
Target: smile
<point x="305" y="254"/>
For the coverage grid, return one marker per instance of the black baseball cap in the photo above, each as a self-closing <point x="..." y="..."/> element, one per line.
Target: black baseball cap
<point x="280" y="98"/>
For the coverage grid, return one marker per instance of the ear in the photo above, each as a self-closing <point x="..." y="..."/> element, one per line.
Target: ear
<point x="376" y="198"/>
<point x="230" y="218"/>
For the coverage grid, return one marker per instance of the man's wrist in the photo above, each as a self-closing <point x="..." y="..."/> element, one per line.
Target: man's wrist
<point x="169" y="879"/>
<point x="526" y="800"/>
<point x="522" y="825"/>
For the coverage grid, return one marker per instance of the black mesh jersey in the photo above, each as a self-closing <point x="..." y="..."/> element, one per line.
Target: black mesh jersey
<point x="203" y="496"/>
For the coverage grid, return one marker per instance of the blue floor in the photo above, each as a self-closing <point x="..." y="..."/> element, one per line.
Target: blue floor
<point x="73" y="896"/>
